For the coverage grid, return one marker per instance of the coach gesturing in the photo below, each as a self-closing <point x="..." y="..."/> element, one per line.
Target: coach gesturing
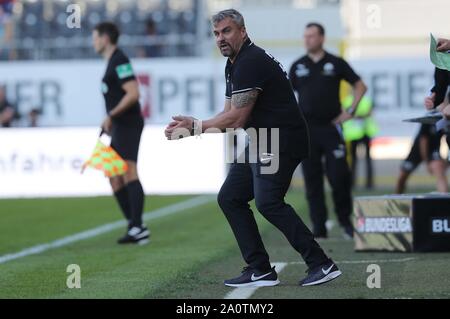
<point x="259" y="95"/>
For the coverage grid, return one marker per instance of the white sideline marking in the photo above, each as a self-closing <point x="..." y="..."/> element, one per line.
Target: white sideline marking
<point x="157" y="213"/>
<point x="369" y="261"/>
<point x="247" y="292"/>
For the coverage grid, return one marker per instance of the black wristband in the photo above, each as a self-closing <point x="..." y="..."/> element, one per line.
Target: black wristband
<point x="196" y="128"/>
<point x="193" y="128"/>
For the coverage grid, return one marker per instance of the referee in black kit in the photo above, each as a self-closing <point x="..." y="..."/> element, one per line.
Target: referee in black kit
<point x="259" y="95"/>
<point x="124" y="123"/>
<point x="316" y="78"/>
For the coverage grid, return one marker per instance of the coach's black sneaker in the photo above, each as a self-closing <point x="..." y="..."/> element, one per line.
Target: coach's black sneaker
<point x="321" y="274"/>
<point x="251" y="277"/>
<point x="135" y="235"/>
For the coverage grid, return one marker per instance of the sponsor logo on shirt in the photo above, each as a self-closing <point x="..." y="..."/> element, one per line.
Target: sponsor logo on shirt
<point x="124" y="71"/>
<point x="301" y="71"/>
<point x="328" y="69"/>
<point x="104" y="88"/>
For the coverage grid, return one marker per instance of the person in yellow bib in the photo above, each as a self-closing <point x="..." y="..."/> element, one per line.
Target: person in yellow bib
<point x="359" y="131"/>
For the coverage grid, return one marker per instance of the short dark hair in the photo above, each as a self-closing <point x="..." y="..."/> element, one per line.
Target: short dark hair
<point x="110" y="29"/>
<point x="235" y="15"/>
<point x="318" y="26"/>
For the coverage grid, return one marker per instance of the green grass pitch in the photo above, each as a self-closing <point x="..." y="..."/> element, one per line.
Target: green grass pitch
<point x="189" y="255"/>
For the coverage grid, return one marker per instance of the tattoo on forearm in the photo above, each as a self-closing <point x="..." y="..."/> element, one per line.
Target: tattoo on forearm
<point x="243" y="99"/>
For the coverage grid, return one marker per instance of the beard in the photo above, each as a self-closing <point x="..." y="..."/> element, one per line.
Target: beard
<point x="226" y="50"/>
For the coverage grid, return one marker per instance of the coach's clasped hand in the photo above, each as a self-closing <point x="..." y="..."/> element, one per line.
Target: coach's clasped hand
<point x="182" y="126"/>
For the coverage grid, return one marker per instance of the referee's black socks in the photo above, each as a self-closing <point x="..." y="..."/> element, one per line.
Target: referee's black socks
<point x="124" y="202"/>
<point x="136" y="200"/>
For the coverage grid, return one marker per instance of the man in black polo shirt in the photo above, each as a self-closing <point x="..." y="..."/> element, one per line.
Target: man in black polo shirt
<point x="316" y="78"/>
<point x="258" y="96"/>
<point x="124" y="123"/>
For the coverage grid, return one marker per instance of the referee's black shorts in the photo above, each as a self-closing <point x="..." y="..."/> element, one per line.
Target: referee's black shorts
<point x="125" y="139"/>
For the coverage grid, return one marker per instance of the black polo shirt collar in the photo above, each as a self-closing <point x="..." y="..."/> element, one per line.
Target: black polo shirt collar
<point x="324" y="58"/>
<point x="247" y="43"/>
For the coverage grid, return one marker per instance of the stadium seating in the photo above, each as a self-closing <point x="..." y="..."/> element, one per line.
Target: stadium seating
<point x="42" y="33"/>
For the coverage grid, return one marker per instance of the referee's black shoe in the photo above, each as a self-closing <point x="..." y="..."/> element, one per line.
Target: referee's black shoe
<point x="321" y="274"/>
<point x="251" y="277"/>
<point x="135" y="235"/>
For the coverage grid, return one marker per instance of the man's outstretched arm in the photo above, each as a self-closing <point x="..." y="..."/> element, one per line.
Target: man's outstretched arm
<point x="235" y="115"/>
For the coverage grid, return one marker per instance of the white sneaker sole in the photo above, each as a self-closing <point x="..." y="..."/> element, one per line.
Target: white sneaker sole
<point x="143" y="234"/>
<point x="329" y="277"/>
<point x="259" y="283"/>
<point x="143" y="241"/>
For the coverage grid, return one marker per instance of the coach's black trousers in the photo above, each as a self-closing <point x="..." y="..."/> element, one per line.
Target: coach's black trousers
<point x="244" y="183"/>
<point x="327" y="143"/>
